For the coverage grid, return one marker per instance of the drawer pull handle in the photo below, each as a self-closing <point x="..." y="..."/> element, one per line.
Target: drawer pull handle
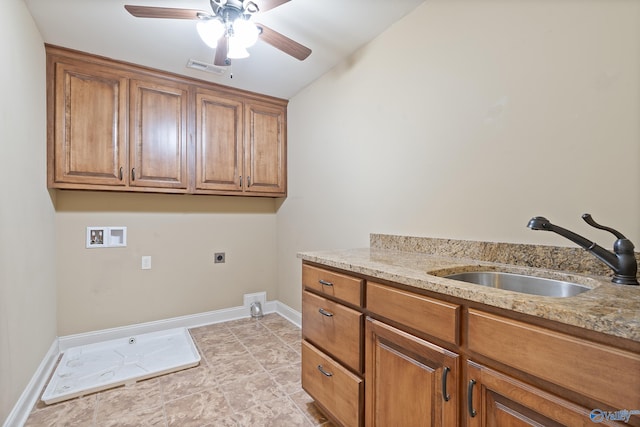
<point x="325" y="283"/>
<point x="120" y="174"/>
<point x="445" y="395"/>
<point x="325" y="312"/>
<point x="472" y="412"/>
<point x="325" y="373"/>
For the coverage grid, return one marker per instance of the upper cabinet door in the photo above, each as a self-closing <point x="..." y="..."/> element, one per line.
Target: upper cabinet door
<point x="218" y="142"/>
<point x="265" y="149"/>
<point x="158" y="116"/>
<point x="89" y="126"/>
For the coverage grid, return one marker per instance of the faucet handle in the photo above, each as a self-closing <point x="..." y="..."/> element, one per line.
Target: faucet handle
<point x="587" y="218"/>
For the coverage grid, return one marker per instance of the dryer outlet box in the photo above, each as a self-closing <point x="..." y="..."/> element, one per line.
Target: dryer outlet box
<point x="260" y="297"/>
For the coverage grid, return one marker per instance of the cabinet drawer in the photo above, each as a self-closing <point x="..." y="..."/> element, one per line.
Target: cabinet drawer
<point x="428" y="315"/>
<point x="606" y="374"/>
<point x="345" y="288"/>
<point x="333" y="387"/>
<point x="334" y="328"/>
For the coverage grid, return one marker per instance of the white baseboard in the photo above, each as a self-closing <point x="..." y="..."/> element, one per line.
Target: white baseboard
<point x="21" y="410"/>
<point x="288" y="313"/>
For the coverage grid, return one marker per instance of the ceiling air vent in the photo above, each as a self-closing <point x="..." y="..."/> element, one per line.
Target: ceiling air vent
<point x="203" y="66"/>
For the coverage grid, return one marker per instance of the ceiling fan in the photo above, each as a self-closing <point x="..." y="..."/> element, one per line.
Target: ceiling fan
<point x="230" y="29"/>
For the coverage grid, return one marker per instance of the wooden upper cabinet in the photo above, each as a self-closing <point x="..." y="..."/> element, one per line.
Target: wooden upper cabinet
<point x="117" y="126"/>
<point x="265" y="148"/>
<point x="158" y="134"/>
<point x="218" y="142"/>
<point x="88" y="125"/>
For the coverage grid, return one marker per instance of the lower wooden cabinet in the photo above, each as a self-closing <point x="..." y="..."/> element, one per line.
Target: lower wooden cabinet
<point x="497" y="400"/>
<point x="408" y="381"/>
<point x="333" y="285"/>
<point x="486" y="370"/>
<point x="335" y="389"/>
<point x="334" y="328"/>
<point x="430" y="316"/>
<point x="332" y="359"/>
<point x="576" y="364"/>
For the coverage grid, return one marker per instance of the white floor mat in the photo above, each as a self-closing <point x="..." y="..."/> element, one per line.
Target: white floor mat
<point x="94" y="367"/>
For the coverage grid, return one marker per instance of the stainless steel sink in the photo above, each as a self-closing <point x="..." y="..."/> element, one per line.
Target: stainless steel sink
<point x="521" y="283"/>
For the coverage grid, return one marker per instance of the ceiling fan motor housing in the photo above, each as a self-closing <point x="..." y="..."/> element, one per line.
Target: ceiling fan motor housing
<point x="233" y="8"/>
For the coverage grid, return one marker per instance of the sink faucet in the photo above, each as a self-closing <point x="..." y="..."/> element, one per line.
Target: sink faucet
<point x="622" y="261"/>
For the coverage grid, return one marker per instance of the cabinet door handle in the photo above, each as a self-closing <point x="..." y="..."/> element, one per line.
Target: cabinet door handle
<point x="472" y="412"/>
<point x="325" y="373"/>
<point x="133" y="174"/>
<point x="240" y="181"/>
<point x="120" y="174"/>
<point x="325" y="283"/>
<point x="248" y="181"/>
<point x="325" y="312"/>
<point x="445" y="373"/>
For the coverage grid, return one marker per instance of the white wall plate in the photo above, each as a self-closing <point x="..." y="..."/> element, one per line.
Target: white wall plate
<point x="106" y="237"/>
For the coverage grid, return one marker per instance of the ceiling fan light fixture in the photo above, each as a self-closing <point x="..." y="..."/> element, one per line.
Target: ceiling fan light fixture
<point x="210" y="31"/>
<point x="245" y="32"/>
<point x="236" y="49"/>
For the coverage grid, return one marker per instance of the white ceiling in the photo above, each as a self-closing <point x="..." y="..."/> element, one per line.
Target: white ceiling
<point x="332" y="29"/>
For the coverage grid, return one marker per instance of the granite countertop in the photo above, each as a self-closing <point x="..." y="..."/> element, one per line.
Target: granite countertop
<point x="607" y="308"/>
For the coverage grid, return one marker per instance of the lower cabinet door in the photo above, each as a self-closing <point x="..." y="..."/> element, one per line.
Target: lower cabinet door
<point x="336" y="390"/>
<point x="409" y="381"/>
<point x="498" y="400"/>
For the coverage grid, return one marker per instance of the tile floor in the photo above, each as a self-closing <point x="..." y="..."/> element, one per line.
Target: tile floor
<point x="249" y="375"/>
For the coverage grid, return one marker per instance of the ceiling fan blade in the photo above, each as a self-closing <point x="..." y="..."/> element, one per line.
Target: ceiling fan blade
<point x="283" y="43"/>
<point x="221" y="52"/>
<point x="164" y="12"/>
<point x="265" y="5"/>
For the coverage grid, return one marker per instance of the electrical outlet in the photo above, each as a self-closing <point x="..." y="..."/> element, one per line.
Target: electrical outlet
<point x="146" y="262"/>
<point x="219" y="257"/>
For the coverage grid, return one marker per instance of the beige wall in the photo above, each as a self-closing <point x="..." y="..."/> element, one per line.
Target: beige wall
<point x="106" y="288"/>
<point x="27" y="267"/>
<point x="464" y="120"/>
